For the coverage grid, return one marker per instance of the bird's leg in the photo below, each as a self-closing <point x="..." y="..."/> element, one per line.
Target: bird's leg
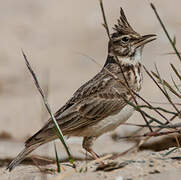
<point x="87" y="145"/>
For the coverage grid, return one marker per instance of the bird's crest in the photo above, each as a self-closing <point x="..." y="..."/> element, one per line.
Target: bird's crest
<point x="122" y="27"/>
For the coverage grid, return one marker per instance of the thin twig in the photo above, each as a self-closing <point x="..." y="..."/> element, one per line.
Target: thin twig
<point x="158" y="108"/>
<point x="170" y="126"/>
<point x="149" y="74"/>
<point x="165" y="30"/>
<point x="57" y="129"/>
<point x="164" y="103"/>
<point x="150" y="106"/>
<point x="105" y="21"/>
<point x="151" y="134"/>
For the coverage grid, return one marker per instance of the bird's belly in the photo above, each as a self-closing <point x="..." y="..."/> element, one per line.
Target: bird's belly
<point x="108" y="124"/>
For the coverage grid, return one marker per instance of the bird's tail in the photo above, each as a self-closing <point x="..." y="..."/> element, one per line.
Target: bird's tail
<point x="41" y="137"/>
<point x="22" y="155"/>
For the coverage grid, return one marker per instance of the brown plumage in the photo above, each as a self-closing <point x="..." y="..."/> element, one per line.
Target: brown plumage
<point x="98" y="106"/>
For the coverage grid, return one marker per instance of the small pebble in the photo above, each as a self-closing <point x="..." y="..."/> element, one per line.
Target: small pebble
<point x="154" y="172"/>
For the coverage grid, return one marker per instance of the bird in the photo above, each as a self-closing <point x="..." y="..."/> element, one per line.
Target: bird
<point x="99" y="106"/>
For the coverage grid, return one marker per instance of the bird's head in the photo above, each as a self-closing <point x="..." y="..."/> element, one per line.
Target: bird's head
<point x="126" y="43"/>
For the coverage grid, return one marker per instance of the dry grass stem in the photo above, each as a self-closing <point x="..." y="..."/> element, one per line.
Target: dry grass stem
<point x="57" y="129"/>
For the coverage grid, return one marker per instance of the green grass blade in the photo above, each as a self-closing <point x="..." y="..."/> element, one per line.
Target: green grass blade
<point x="57" y="158"/>
<point x="175" y="70"/>
<point x="169" y="152"/>
<point x="175" y="85"/>
<point x="165" y="30"/>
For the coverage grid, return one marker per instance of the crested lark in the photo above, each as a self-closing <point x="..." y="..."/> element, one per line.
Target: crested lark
<point x="98" y="106"/>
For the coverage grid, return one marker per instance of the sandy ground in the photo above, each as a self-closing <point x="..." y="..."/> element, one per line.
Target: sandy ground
<point x="54" y="35"/>
<point x="144" y="165"/>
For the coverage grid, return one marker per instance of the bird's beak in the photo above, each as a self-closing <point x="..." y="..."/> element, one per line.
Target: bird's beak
<point x="145" y="39"/>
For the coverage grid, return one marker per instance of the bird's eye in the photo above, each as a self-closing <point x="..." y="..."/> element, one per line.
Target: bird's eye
<point x="125" y="39"/>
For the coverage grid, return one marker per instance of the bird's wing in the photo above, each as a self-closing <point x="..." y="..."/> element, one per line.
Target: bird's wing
<point x="95" y="100"/>
<point x="102" y="83"/>
<point x="89" y="112"/>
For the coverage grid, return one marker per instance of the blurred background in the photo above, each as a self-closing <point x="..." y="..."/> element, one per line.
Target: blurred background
<point x="54" y="34"/>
